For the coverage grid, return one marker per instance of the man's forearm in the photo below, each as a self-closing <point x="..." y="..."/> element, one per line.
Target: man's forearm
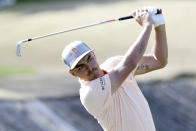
<point x="160" y="48"/>
<point x="130" y="59"/>
<point x="136" y="51"/>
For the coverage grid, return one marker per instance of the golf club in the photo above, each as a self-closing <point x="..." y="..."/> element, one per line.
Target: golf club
<point x="19" y="44"/>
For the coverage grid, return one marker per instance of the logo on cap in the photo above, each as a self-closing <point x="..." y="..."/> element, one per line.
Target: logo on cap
<point x="74" y="51"/>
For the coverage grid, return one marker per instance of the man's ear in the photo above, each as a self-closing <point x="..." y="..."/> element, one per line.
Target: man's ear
<point x="72" y="73"/>
<point x="93" y="53"/>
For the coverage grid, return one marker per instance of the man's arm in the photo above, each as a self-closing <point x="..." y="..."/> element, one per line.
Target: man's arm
<point x="159" y="54"/>
<point x="134" y="53"/>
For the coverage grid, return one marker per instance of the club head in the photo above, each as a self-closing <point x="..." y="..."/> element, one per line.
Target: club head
<point x="18" y="48"/>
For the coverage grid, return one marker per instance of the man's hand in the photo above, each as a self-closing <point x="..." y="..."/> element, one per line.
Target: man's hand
<point x="157" y="19"/>
<point x="142" y="17"/>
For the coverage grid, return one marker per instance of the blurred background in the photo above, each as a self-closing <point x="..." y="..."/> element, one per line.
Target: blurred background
<point x="37" y="93"/>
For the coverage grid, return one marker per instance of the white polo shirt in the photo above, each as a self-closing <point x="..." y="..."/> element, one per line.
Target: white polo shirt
<point x="124" y="110"/>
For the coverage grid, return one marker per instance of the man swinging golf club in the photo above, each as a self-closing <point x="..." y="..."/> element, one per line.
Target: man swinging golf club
<point x="110" y="92"/>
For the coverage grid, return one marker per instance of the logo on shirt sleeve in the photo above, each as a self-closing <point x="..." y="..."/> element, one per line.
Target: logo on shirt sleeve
<point x="102" y="82"/>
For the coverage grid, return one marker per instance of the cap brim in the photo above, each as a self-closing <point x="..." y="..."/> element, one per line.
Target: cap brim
<point x="79" y="58"/>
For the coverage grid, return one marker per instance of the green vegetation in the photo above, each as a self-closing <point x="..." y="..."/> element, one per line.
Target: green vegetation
<point x="5" y="71"/>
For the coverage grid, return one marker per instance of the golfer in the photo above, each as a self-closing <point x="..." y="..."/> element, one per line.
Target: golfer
<point x="109" y="91"/>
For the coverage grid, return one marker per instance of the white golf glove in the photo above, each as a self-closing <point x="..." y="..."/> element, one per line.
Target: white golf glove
<point x="156" y="15"/>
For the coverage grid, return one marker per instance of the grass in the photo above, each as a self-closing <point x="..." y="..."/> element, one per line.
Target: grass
<point x="7" y="71"/>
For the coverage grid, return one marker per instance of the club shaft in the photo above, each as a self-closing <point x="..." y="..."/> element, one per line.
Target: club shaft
<point x="80" y="27"/>
<point x="76" y="28"/>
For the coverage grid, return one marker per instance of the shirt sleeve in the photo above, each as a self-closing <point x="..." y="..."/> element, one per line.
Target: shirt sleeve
<point x="96" y="95"/>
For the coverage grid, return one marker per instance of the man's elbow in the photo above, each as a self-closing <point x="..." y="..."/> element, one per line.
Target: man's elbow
<point x="163" y="63"/>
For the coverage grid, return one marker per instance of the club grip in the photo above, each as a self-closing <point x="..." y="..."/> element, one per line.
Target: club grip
<point x="125" y="18"/>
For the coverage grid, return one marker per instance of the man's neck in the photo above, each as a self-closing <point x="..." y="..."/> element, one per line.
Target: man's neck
<point x="102" y="73"/>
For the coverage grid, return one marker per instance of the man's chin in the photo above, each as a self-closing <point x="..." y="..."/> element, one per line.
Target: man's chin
<point x="93" y="76"/>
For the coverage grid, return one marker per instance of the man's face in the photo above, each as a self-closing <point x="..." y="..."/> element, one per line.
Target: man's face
<point x="87" y="68"/>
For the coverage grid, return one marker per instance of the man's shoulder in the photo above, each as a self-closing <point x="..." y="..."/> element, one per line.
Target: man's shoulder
<point x="114" y="59"/>
<point x="111" y="62"/>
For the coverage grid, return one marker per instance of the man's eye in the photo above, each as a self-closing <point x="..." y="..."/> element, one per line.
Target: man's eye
<point x="79" y="67"/>
<point x="89" y="58"/>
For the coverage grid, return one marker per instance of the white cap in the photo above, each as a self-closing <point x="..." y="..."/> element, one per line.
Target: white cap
<point x="74" y="52"/>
